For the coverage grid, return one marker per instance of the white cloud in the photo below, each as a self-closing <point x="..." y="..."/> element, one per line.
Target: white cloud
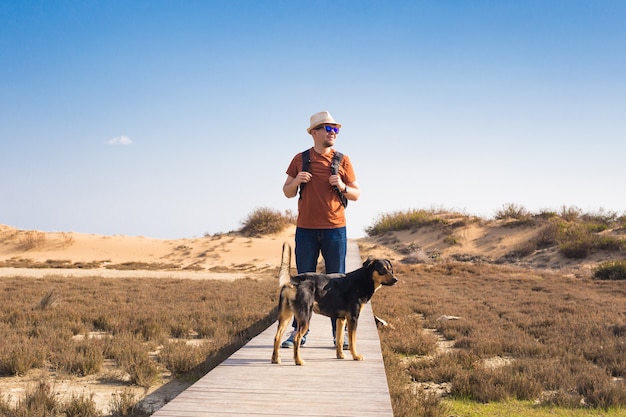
<point x="120" y="140"/>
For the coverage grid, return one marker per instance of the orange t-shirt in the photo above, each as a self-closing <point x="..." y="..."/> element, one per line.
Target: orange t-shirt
<point x="319" y="206"/>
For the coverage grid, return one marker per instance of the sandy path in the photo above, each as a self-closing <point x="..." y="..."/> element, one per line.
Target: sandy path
<point x="116" y="273"/>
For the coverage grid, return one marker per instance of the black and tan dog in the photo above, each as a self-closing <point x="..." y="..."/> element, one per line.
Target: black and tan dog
<point x="338" y="296"/>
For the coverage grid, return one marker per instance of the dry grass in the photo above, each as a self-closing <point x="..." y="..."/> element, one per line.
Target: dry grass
<point x="32" y="239"/>
<point x="410" y="219"/>
<point x="560" y="340"/>
<point x="143" y="325"/>
<point x="545" y="339"/>
<point x="555" y="339"/>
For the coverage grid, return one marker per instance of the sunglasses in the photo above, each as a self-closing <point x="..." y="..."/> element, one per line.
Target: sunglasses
<point x="329" y="129"/>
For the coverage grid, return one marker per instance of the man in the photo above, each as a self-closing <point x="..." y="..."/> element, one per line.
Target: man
<point x="321" y="223"/>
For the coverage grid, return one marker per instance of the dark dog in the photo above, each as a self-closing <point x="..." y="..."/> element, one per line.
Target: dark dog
<point x="338" y="296"/>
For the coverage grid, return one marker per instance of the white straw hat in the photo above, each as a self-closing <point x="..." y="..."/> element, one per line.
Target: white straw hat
<point x="322" y="118"/>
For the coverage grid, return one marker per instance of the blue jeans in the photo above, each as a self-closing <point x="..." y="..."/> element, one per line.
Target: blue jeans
<point x="331" y="243"/>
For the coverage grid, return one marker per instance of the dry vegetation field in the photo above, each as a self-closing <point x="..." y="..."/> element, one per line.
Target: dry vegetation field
<point x="490" y="333"/>
<point x="521" y="315"/>
<point x="134" y="333"/>
<point x="533" y="325"/>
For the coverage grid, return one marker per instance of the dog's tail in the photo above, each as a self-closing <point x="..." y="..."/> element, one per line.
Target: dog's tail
<point x="284" y="277"/>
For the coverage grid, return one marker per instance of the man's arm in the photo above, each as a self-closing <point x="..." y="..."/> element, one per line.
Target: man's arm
<point x="290" y="188"/>
<point x="353" y="192"/>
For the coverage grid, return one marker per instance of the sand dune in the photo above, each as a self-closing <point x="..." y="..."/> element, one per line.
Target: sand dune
<point x="232" y="255"/>
<point x="36" y="253"/>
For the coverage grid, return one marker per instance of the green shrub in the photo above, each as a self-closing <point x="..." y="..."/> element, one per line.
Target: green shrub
<point x="404" y="220"/>
<point x="609" y="243"/>
<point x="575" y="240"/>
<point x="576" y="249"/>
<point x="613" y="270"/>
<point x="606" y="219"/>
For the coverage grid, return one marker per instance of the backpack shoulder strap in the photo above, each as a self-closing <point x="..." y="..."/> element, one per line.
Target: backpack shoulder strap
<point x="336" y="162"/>
<point x="334" y="170"/>
<point x="306" y="161"/>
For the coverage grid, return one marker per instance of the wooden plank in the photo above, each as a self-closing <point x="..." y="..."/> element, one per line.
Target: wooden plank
<point x="248" y="384"/>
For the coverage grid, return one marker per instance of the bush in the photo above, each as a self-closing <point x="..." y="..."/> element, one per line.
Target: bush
<point x="577" y="249"/>
<point x="609" y="243"/>
<point x="484" y="385"/>
<point x="547" y="235"/>
<point x="613" y="270"/>
<point x="575" y="240"/>
<point x="180" y="358"/>
<point x="602" y="393"/>
<point x="404" y="220"/>
<point x="32" y="239"/>
<point x="81" y="406"/>
<point x="264" y="221"/>
<point x="19" y="356"/>
<point x="124" y="404"/>
<point x="78" y="358"/>
<point x="512" y="211"/>
<point x="39" y="402"/>
<point x="570" y="214"/>
<point x="132" y="356"/>
<point x="606" y="219"/>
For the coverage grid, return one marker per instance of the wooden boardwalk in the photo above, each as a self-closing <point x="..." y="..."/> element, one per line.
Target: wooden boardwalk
<point x="247" y="384"/>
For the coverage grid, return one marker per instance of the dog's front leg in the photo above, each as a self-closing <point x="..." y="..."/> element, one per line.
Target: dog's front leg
<point x="341" y="324"/>
<point x="352" y="324"/>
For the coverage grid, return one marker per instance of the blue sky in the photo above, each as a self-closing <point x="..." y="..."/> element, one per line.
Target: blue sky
<point x="174" y="119"/>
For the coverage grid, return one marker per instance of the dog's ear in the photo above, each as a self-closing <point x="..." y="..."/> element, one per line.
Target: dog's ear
<point x="368" y="261"/>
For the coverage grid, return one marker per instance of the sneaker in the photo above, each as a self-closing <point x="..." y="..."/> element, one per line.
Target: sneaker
<point x="346" y="345"/>
<point x="289" y="342"/>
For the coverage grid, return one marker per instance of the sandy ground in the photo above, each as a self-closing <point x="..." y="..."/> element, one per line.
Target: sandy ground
<point x="226" y="256"/>
<point x="114" y="273"/>
<point x="37" y="254"/>
<point x="232" y="256"/>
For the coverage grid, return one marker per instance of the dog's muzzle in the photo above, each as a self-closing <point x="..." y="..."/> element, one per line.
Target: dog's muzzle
<point x="391" y="282"/>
